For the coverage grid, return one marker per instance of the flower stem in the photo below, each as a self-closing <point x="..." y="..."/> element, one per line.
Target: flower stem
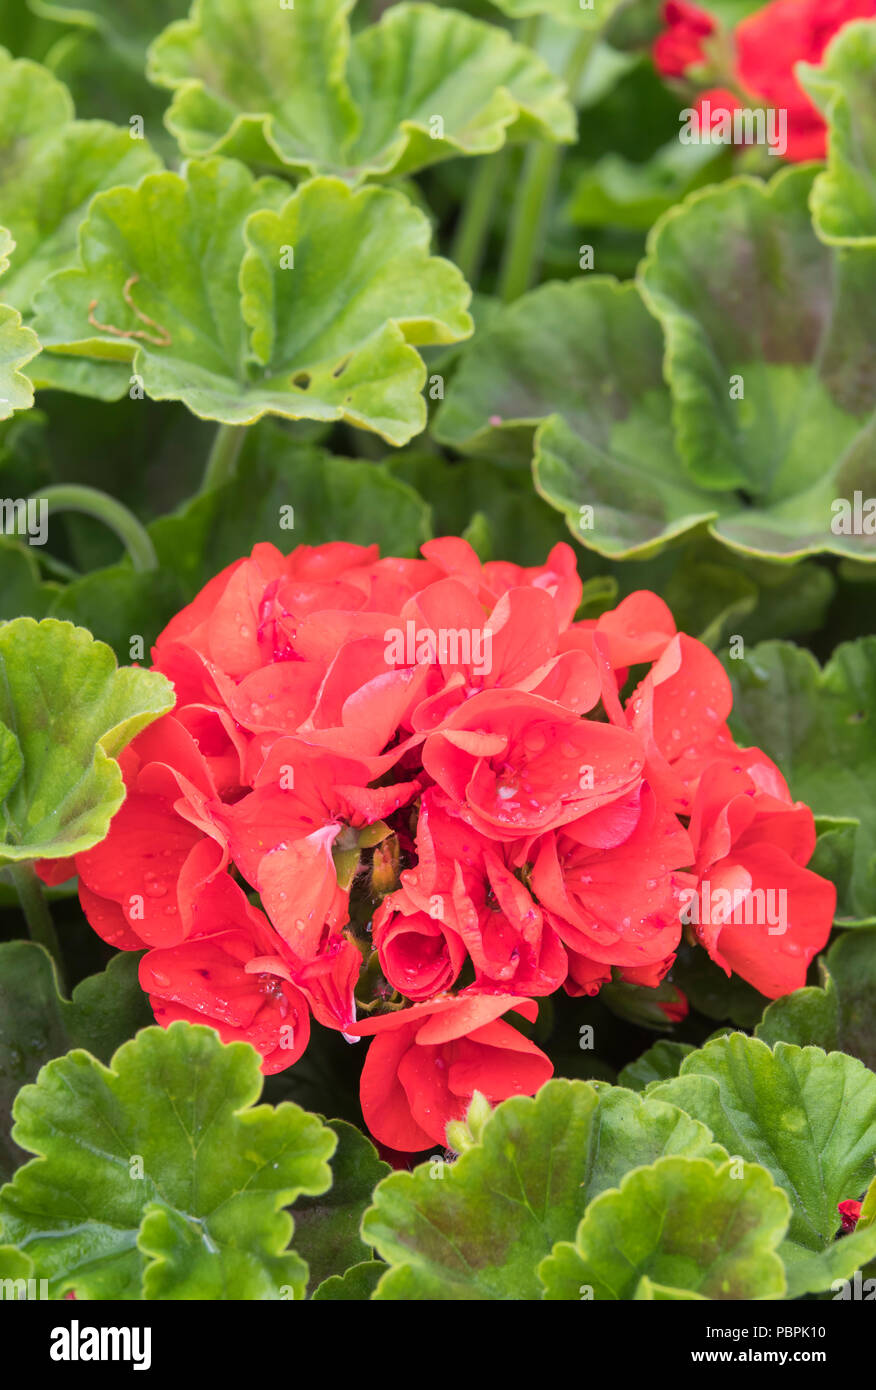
<point x="36" y="912"/>
<point x="222" y="462"/>
<point x="71" y="497"/>
<point x="535" y="194"/>
<point x="470" y="240"/>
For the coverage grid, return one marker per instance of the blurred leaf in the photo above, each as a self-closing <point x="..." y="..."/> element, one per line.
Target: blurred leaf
<point x="573" y="12"/>
<point x="127" y="26"/>
<point x="618" y="192"/>
<point x="285" y="87"/>
<point x="843" y="87"/>
<point x="752" y="302"/>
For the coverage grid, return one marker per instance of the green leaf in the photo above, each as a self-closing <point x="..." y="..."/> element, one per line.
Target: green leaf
<point x="817" y="724"/>
<point x="658" y="1063"/>
<point x="18" y="346"/>
<point x="291" y="494"/>
<point x="751" y="301"/>
<point x="683" y="1224"/>
<point x="327" y="1227"/>
<point x="286" y="87"/>
<point x="72" y="711"/>
<point x="356" y="1286"/>
<point x="807" y="1115"/>
<point x="52" y="167"/>
<point x="36" y="1024"/>
<point x="582" y="361"/>
<point x="242" y="304"/>
<point x="843" y="88"/>
<point x="205" y="1219"/>
<point x="480" y="1231"/>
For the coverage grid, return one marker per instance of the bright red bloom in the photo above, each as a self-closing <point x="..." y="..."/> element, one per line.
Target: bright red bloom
<point x="385" y="779"/>
<point x="519" y="764"/>
<point x="771" y="41"/>
<point x="757" y="910"/>
<point x="464" y="898"/>
<point x="232" y="978"/>
<point x="426" y="1062"/>
<point x="850" y="1212"/>
<point x="768" y="45"/>
<point x="680" y="46"/>
<point x="612" y="895"/>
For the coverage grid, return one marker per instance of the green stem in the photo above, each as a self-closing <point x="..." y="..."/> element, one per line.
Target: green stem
<point x="470" y="240"/>
<point x="523" y="250"/>
<point x="222" y="462"/>
<point x="526" y="30"/>
<point x="71" y="497"/>
<point x="36" y="912"/>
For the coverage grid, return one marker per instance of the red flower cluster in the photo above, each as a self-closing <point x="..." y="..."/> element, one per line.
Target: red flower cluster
<point x="768" y="44"/>
<point x="412" y="790"/>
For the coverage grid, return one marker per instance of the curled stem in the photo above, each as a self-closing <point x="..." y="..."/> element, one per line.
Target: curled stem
<point x="71" y="497"/>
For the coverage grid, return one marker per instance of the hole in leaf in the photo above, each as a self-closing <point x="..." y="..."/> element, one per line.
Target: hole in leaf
<point x="301" y="380"/>
<point x="341" y="368"/>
